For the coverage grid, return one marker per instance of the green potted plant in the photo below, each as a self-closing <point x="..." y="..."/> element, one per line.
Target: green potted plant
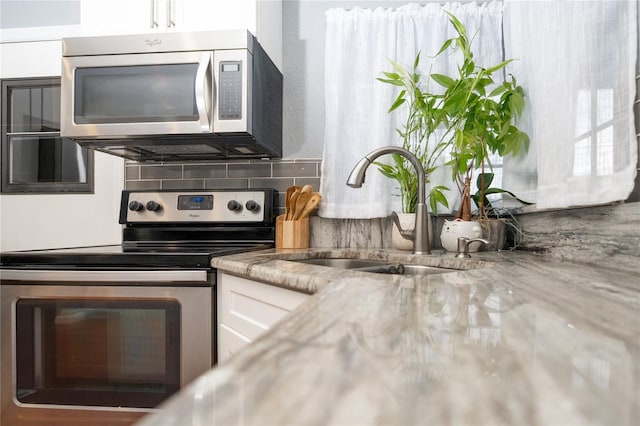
<point x="466" y="121"/>
<point x="417" y="136"/>
<point x="423" y="118"/>
<point x="480" y="117"/>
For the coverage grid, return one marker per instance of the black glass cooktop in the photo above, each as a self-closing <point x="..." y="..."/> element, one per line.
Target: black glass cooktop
<point x="142" y="256"/>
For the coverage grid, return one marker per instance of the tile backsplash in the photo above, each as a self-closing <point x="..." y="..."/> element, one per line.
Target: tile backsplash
<point x="237" y="174"/>
<point x="588" y="235"/>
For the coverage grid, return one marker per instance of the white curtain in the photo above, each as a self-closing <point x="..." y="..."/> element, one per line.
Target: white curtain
<point x="577" y="65"/>
<point x="358" y="44"/>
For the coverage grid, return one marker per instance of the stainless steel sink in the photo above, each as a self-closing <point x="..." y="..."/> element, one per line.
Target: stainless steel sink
<point x="424" y="270"/>
<point x="376" y="266"/>
<point x="344" y="263"/>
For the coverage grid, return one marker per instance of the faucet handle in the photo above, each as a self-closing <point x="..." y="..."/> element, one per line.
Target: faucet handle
<point x="464" y="243"/>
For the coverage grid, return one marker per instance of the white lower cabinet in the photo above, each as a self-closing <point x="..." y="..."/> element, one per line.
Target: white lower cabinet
<point x="247" y="308"/>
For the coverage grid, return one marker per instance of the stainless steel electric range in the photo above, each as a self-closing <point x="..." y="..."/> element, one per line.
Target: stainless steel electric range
<point x="102" y="335"/>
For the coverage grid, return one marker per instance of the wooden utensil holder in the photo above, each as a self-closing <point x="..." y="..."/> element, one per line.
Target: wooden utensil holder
<point x="292" y="233"/>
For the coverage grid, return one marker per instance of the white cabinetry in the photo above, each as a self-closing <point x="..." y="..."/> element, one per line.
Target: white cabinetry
<point x="246" y="309"/>
<point x="116" y="17"/>
<point x="31" y="47"/>
<point x="47" y="20"/>
<point x="262" y="17"/>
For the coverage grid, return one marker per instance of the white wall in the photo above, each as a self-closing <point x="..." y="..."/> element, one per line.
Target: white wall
<point x="61" y="220"/>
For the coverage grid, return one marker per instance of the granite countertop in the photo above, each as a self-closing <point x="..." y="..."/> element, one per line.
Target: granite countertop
<point x="512" y="339"/>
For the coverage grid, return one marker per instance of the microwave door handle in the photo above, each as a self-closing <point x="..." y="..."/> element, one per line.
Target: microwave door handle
<point x="203" y="91"/>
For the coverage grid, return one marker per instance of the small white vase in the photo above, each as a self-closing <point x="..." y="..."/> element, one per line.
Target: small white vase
<point x="408" y="223"/>
<point x="452" y="229"/>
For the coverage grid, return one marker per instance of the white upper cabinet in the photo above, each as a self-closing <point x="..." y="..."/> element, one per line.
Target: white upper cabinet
<point x="115" y="17"/>
<point x="44" y="20"/>
<point x="262" y="17"/>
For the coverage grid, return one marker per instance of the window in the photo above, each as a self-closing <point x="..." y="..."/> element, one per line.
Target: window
<point x="34" y="157"/>
<point x="594" y="151"/>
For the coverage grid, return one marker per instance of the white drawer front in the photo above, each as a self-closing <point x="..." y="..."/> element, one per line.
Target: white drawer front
<point x="246" y="309"/>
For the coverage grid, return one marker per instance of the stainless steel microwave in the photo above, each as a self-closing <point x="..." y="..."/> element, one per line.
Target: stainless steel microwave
<point x="173" y="96"/>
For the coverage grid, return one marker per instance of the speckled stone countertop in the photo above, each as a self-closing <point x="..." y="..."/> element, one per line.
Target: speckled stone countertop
<point x="513" y="339"/>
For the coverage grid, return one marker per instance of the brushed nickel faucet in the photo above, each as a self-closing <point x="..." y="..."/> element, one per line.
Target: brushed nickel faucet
<point x="420" y="235"/>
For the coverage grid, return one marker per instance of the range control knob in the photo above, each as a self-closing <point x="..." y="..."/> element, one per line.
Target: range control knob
<point x="251" y="205"/>
<point x="234" y="206"/>
<point x="152" y="206"/>
<point x="136" y="206"/>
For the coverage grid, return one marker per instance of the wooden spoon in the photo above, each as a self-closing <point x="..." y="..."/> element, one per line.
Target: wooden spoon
<point x="287" y="201"/>
<point x="307" y="188"/>
<point x="292" y="204"/>
<point x="301" y="201"/>
<point x="312" y="203"/>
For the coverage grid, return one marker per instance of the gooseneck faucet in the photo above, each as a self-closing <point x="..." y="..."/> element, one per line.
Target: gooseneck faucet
<point x="420" y="235"/>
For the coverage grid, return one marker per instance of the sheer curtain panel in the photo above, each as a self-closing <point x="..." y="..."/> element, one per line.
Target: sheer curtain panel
<point x="358" y="45"/>
<point x="577" y="65"/>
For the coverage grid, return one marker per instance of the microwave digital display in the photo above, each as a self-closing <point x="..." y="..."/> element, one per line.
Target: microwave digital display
<point x="233" y="67"/>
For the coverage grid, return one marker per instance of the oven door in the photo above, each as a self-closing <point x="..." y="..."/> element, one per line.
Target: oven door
<point x="109" y="345"/>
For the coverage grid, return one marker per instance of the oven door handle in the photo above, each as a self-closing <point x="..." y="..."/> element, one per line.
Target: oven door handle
<point x="113" y="277"/>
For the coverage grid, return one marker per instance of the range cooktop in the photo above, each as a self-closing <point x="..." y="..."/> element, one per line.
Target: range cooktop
<point x="117" y="257"/>
<point x="170" y="229"/>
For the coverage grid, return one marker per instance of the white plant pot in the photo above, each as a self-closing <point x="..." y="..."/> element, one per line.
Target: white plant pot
<point x="453" y="229"/>
<point x="408" y="223"/>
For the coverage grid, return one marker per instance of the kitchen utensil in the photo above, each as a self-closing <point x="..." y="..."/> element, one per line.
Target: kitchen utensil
<point x="311" y="204"/>
<point x="292" y="204"/>
<point x="307" y="188"/>
<point x="292" y="233"/>
<point x="287" y="201"/>
<point x="288" y="213"/>
<point x="301" y="202"/>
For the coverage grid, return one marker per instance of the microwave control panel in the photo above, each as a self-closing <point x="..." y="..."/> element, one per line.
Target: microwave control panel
<point x="230" y="90"/>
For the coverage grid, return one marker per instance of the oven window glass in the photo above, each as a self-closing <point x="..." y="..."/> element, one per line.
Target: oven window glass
<point x="113" y="353"/>
<point x="135" y="94"/>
